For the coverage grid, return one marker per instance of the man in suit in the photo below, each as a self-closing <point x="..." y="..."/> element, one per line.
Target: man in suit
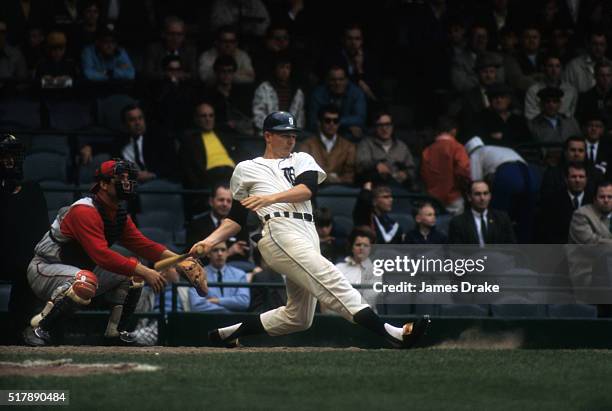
<point x="480" y="224"/>
<point x="201" y="226"/>
<point x="598" y="151"/>
<point x="590" y="225"/>
<point x="206" y="155"/>
<point x="153" y="155"/>
<point x="556" y="210"/>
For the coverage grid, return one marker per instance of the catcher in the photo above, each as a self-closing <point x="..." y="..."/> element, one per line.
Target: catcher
<point x="74" y="262"/>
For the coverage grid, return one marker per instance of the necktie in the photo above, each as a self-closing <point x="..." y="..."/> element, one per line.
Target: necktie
<point x="575" y="201"/>
<point x="137" y="158"/>
<point x="592" y="153"/>
<point x="483" y="228"/>
<point x="220" y="280"/>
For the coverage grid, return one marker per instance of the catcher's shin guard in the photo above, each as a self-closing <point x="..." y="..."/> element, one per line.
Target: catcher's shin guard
<point x="129" y="306"/>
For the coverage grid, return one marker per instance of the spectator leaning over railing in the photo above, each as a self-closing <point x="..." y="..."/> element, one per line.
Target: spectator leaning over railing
<point x="105" y="60"/>
<point x="221" y="298"/>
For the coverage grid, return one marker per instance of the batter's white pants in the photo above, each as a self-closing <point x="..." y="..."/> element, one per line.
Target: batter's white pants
<point x="291" y="247"/>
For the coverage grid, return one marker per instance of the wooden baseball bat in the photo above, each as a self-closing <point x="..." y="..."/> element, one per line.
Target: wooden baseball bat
<point x="166" y="263"/>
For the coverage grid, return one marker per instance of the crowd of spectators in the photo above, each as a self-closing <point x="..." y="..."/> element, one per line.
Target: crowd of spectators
<point x="494" y="111"/>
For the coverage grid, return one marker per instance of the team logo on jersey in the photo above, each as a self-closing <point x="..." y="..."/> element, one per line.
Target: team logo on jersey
<point x="289" y="174"/>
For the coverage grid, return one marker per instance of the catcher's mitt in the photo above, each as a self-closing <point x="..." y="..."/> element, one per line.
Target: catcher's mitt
<point x="195" y="274"/>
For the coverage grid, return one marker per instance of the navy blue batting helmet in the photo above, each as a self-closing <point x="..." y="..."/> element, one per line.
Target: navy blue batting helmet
<point x="280" y="122"/>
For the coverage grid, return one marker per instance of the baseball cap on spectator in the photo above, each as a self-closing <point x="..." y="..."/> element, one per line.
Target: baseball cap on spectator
<point x="487" y="60"/>
<point x="473" y="144"/>
<point x="56" y="39"/>
<point x="498" y="89"/>
<point x="550" y="93"/>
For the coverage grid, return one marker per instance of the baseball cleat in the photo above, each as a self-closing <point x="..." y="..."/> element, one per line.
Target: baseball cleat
<point x="412" y="333"/>
<point x="217" y="341"/>
<point x="36" y="337"/>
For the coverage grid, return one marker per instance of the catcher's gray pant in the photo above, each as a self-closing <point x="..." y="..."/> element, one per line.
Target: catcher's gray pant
<point x="49" y="280"/>
<point x="291" y="247"/>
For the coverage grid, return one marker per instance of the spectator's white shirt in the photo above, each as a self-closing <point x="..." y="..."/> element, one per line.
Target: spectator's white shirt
<point x="484" y="160"/>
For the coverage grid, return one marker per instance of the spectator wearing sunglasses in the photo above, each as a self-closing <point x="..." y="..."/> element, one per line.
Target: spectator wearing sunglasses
<point x="382" y="158"/>
<point x="335" y="154"/>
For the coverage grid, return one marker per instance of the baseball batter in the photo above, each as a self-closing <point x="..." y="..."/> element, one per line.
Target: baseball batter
<point x="278" y="187"/>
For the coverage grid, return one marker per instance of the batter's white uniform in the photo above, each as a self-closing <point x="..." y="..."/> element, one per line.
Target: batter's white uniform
<point x="291" y="246"/>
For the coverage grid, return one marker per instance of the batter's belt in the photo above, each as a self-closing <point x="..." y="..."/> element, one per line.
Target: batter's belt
<point x="287" y="214"/>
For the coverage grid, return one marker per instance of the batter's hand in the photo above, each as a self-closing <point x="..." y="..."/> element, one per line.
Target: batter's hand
<point x="254" y="203"/>
<point x="200" y="249"/>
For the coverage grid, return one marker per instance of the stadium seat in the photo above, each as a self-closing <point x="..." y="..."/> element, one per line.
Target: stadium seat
<point x="87" y="172"/>
<point x="517" y="307"/>
<point x="339" y="199"/>
<point x="69" y="115"/>
<point x="158" y="235"/>
<point x="159" y="201"/>
<point x="20" y="112"/>
<point x="58" y="199"/>
<point x="166" y="220"/>
<point x="405" y="221"/>
<point x="5" y="294"/>
<point x="109" y="110"/>
<point x="45" y="166"/>
<point x="342" y="226"/>
<point x="50" y="144"/>
<point x="572" y="311"/>
<point x="464" y="310"/>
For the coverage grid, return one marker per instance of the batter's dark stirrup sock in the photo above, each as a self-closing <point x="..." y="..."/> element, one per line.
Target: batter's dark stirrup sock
<point x="249" y="327"/>
<point x="368" y="319"/>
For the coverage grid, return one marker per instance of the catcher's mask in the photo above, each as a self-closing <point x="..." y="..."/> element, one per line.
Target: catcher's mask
<point x="11" y="158"/>
<point x="122" y="173"/>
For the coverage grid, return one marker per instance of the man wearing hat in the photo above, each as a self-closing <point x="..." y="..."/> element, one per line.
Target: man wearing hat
<point x="474" y="100"/>
<point x="56" y="70"/>
<point x="513" y="183"/>
<point x="105" y="61"/>
<point x="551" y="126"/>
<point x="497" y="125"/>
<point x="552" y="77"/>
<point x="470" y="60"/>
<point x="74" y="262"/>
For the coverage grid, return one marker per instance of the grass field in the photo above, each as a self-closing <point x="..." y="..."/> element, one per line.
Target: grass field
<point x="343" y="379"/>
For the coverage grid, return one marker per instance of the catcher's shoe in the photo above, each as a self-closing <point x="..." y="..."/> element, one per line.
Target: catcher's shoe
<point x="36" y="337"/>
<point x="412" y="333"/>
<point x="124" y="339"/>
<point x="217" y="341"/>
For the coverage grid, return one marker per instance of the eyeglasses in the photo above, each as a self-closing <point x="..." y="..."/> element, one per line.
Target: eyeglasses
<point x="384" y="124"/>
<point x="329" y="120"/>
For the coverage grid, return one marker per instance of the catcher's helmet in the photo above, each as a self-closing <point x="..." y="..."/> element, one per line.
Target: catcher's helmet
<point x="280" y="122"/>
<point x="125" y="187"/>
<point x="11" y="157"/>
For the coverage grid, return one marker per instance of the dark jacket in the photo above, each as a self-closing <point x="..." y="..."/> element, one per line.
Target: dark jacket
<point x="415" y="237"/>
<point x="462" y="229"/>
<point x="555" y="216"/>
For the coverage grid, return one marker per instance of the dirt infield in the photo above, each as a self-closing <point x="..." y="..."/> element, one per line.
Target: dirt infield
<point x="157" y="350"/>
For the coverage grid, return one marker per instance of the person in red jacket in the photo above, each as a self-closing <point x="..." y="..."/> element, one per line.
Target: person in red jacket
<point x="74" y="261"/>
